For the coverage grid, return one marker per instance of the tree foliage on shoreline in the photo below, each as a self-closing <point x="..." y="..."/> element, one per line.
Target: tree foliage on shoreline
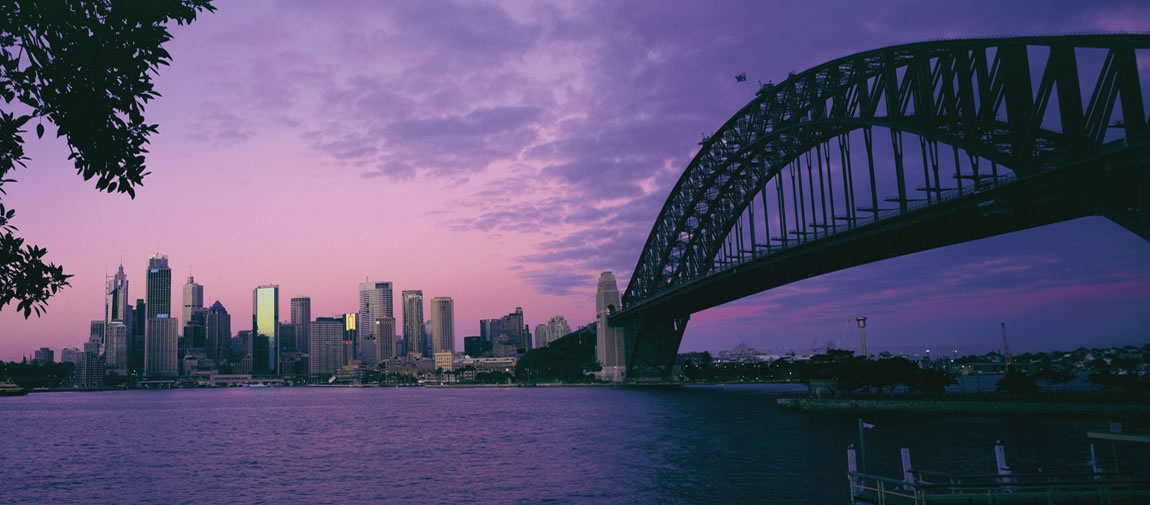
<point x="84" y="67"/>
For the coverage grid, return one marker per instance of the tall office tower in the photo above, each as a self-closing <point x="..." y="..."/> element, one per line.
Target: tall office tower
<point x="301" y="320"/>
<point x="158" y="287"/>
<point x="265" y="329"/>
<point x="117" y="306"/>
<point x="442" y="324"/>
<point x="96" y="333"/>
<point x="385" y="339"/>
<point x="609" y="347"/>
<point x="428" y="341"/>
<point x="116" y="348"/>
<point x="374" y="303"/>
<point x="160" y="348"/>
<point x="218" y="332"/>
<point x="325" y="347"/>
<point x="413" y="322"/>
<point x="136" y="346"/>
<point x="193" y="298"/>
<point x="542" y="335"/>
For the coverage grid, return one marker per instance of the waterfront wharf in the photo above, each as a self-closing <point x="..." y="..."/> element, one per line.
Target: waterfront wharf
<point x="1032" y="489"/>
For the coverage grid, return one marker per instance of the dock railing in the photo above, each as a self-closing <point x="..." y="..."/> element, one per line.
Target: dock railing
<point x="1050" y="489"/>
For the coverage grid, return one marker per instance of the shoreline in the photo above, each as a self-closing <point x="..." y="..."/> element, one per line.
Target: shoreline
<point x="971" y="407"/>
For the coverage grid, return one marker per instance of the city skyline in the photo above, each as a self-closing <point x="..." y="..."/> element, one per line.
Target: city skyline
<point x="511" y="161"/>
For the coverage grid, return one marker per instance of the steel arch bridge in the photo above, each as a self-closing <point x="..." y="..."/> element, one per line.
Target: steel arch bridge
<point x="1033" y="130"/>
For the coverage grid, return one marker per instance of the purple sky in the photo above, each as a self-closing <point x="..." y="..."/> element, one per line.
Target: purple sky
<point x="505" y="153"/>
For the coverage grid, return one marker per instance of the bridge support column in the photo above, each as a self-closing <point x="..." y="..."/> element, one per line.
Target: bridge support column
<point x="652" y="344"/>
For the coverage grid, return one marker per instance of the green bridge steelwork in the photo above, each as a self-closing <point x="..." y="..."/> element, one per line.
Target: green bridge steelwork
<point x="1004" y="134"/>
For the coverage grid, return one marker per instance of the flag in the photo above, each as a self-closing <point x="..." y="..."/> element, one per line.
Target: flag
<point x="867" y="425"/>
<point x="741" y="77"/>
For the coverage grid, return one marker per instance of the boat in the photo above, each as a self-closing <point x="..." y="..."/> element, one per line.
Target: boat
<point x="257" y="385"/>
<point x="9" y="389"/>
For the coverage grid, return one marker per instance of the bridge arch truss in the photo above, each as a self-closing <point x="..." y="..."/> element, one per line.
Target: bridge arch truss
<point x="802" y="162"/>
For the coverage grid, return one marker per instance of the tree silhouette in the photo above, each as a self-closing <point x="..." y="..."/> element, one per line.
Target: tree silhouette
<point x="85" y="67"/>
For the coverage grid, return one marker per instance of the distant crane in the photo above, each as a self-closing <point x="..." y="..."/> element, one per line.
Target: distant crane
<point x="1005" y="346"/>
<point x="814" y="345"/>
<point x="862" y="334"/>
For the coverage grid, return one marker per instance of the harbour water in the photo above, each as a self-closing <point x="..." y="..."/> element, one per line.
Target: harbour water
<point x="716" y="444"/>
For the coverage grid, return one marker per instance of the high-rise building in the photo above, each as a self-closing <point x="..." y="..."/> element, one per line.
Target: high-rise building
<point x="243" y="346"/>
<point x="413" y="336"/>
<point x="473" y="346"/>
<point x="218" y="332"/>
<point x="96" y="332"/>
<point x="428" y="347"/>
<point x="89" y="371"/>
<point x="442" y="324"/>
<point x="609" y="347"/>
<point x="350" y="337"/>
<point x="265" y="329"/>
<point x="160" y="348"/>
<point x="193" y="299"/>
<point x="542" y="335"/>
<point x="385" y="339"/>
<point x="159" y="287"/>
<point x="136" y="346"/>
<point x="375" y="302"/>
<point x="301" y="320"/>
<point x="117" y="305"/>
<point x="116" y="348"/>
<point x="68" y="355"/>
<point x="511" y="336"/>
<point x="555" y="329"/>
<point x="195" y="329"/>
<point x="325" y="350"/>
<point x="44" y="355"/>
<point x="161" y="330"/>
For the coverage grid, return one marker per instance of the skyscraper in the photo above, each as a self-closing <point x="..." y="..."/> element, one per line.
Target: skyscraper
<point x="609" y="347"/>
<point x="159" y="287"/>
<point x="374" y="303"/>
<point x="350" y="335"/>
<point x="136" y="345"/>
<point x="301" y="320"/>
<point x="160" y="348"/>
<point x="325" y="351"/>
<point x="218" y="332"/>
<point x="510" y="337"/>
<point x="265" y="329"/>
<point x="542" y="335"/>
<point x="116" y="347"/>
<point x="413" y="322"/>
<point x="385" y="340"/>
<point x="555" y="329"/>
<point x="117" y="305"/>
<point x="193" y="299"/>
<point x="96" y="330"/>
<point x="442" y="324"/>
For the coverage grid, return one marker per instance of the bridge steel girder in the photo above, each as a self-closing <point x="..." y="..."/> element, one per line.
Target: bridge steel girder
<point x="976" y="95"/>
<point x="1038" y="200"/>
